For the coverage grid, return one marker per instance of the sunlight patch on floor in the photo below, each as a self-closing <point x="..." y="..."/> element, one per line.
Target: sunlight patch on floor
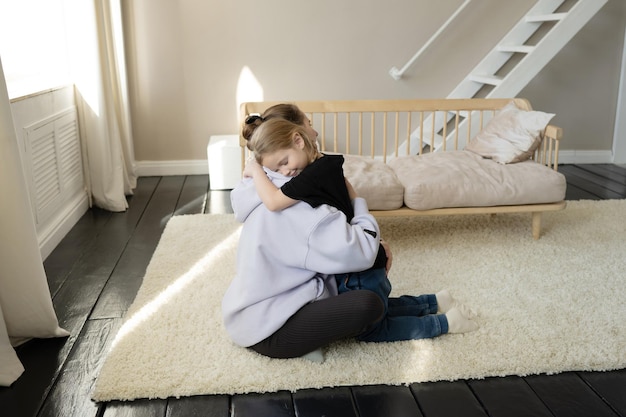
<point x="195" y="272"/>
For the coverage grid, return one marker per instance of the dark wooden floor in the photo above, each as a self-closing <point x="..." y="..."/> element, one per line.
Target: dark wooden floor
<point x="95" y="272"/>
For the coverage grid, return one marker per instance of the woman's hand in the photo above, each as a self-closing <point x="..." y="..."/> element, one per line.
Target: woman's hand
<point x="351" y="191"/>
<point x="387" y="249"/>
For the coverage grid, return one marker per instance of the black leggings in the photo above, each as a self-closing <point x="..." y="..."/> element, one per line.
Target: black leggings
<point x="322" y="322"/>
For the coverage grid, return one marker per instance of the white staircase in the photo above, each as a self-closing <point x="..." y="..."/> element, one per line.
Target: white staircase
<point x="521" y="54"/>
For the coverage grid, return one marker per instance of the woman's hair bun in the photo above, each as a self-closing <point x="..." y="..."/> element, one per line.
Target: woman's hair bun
<point x="252" y="118"/>
<point x="250" y="123"/>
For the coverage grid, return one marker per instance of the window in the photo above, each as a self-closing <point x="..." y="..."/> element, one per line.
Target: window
<point x="33" y="45"/>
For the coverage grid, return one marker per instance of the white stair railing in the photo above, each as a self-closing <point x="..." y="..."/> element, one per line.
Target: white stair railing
<point x="397" y="73"/>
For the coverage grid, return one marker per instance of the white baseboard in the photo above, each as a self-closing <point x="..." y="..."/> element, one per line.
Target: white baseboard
<point x="61" y="224"/>
<point x="585" y="157"/>
<point x="169" y="168"/>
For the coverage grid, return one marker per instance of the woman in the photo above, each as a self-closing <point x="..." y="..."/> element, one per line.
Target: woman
<point x="284" y="303"/>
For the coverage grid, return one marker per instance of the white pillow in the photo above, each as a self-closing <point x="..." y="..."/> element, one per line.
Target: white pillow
<point x="511" y="136"/>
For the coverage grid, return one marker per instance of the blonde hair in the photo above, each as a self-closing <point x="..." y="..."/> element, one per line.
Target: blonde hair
<point x="277" y="134"/>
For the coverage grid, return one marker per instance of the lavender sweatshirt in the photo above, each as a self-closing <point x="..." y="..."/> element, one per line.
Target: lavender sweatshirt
<point x="286" y="259"/>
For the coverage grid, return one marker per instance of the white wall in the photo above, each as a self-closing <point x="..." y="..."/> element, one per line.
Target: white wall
<point x="187" y="59"/>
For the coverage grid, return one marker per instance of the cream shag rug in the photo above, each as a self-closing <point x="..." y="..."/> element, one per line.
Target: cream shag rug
<point x="546" y="306"/>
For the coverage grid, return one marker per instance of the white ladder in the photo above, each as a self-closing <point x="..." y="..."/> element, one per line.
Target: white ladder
<point x="530" y="57"/>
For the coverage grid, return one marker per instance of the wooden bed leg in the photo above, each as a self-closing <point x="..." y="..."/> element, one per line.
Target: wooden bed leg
<point x="536" y="222"/>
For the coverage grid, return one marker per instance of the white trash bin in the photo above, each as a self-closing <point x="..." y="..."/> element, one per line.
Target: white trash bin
<point x="224" y="158"/>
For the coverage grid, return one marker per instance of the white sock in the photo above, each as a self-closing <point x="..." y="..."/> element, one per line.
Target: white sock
<point x="445" y="302"/>
<point x="458" y="323"/>
<point x="318" y="354"/>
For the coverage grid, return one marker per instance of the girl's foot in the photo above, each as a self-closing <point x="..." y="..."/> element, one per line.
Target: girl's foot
<point x="445" y="302"/>
<point x="458" y="323"/>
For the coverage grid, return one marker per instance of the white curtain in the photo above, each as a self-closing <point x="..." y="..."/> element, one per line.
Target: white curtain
<point x="98" y="69"/>
<point x="25" y="305"/>
<point x="99" y="73"/>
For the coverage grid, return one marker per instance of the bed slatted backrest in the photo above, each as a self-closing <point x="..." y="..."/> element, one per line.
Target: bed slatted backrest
<point x="384" y="129"/>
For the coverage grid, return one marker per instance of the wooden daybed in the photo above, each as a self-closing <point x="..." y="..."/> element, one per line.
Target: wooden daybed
<point x="424" y="157"/>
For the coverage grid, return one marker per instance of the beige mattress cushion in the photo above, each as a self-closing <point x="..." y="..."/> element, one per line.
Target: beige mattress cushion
<point x="464" y="179"/>
<point x="374" y="181"/>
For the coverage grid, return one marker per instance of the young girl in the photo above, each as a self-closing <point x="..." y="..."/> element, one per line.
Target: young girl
<point x="291" y="152"/>
<point x="285" y="147"/>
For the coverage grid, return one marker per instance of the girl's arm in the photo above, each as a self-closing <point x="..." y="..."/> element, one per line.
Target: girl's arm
<point x="271" y="196"/>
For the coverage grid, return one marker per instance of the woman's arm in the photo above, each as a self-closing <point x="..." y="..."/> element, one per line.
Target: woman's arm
<point x="387" y="248"/>
<point x="335" y="246"/>
<point x="272" y="197"/>
<point x="383" y="243"/>
<point x="351" y="191"/>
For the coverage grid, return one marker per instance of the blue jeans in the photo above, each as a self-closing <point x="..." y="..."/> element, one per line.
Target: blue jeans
<point x="406" y="317"/>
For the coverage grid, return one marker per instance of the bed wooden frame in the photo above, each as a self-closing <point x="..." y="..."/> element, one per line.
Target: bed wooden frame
<point x="383" y="129"/>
